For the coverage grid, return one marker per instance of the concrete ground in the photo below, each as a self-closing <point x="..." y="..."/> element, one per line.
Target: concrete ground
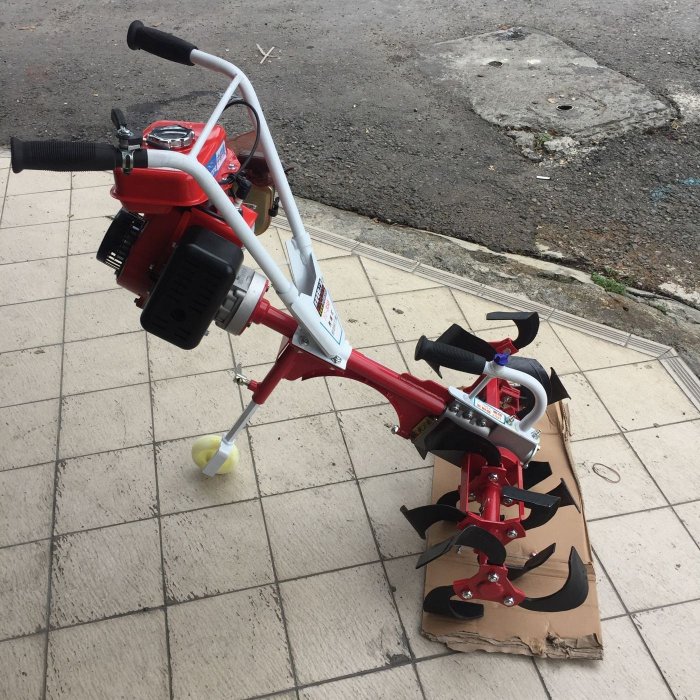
<point x="350" y="104"/>
<point x="125" y="573"/>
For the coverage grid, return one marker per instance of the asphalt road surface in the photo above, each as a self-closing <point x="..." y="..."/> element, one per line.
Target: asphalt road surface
<point x="369" y="132"/>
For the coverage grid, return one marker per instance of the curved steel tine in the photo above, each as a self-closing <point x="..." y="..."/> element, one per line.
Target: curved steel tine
<point x="451" y="498"/>
<point x="535" y="472"/>
<point x="515" y="572"/>
<point x="527" y="323"/>
<point x="423" y="517"/>
<point x="557" y="391"/>
<point x="438" y="602"/>
<point x="572" y="594"/>
<point x="472" y="536"/>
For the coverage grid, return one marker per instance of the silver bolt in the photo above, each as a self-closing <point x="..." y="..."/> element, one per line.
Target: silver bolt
<point x="467" y="595"/>
<point x="394" y="429"/>
<point x="493" y="577"/>
<point x="469" y="415"/>
<point x="512" y="534"/>
<point x="304" y="340"/>
<point x="509" y="601"/>
<point x="493" y="476"/>
<point x="472" y="496"/>
<point x="336" y="359"/>
<point x="507" y="501"/>
<point x="454" y="408"/>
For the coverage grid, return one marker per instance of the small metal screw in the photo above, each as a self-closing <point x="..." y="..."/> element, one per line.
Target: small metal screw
<point x="336" y="359"/>
<point x="509" y="601"/>
<point x="467" y="595"/>
<point x="454" y="408"/>
<point x="493" y="577"/>
<point x="507" y="501"/>
<point x="512" y="534"/>
<point x="304" y="340"/>
<point x="472" y="496"/>
<point x="394" y="429"/>
<point x="481" y="422"/>
<point x="493" y="476"/>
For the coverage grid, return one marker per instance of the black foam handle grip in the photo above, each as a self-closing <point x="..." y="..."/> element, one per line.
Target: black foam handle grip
<point x="159" y="43"/>
<point x="63" y="155"/>
<point x="444" y="355"/>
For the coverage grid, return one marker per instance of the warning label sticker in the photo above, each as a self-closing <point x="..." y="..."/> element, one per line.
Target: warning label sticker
<point x="217" y="160"/>
<point x="489" y="410"/>
<point x="326" y="310"/>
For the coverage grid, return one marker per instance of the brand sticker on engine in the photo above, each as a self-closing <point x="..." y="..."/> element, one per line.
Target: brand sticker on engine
<point x="217" y="160"/>
<point x="489" y="410"/>
<point x="324" y="306"/>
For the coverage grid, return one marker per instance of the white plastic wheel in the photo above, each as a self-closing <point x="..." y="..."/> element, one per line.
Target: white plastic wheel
<point x="205" y="447"/>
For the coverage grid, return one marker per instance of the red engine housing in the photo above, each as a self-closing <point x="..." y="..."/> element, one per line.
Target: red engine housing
<point x="171" y="201"/>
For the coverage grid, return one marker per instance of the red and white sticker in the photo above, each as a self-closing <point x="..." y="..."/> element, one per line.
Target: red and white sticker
<point x="324" y="306"/>
<point x="489" y="410"/>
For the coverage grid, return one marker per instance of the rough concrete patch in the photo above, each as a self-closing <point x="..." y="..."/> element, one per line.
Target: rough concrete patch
<point x="528" y="80"/>
<point x="689" y="105"/>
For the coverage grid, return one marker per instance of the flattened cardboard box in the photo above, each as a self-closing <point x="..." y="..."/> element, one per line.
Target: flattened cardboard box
<point x="570" y="634"/>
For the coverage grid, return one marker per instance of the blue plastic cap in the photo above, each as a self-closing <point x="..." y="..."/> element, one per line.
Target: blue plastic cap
<point x="501" y="358"/>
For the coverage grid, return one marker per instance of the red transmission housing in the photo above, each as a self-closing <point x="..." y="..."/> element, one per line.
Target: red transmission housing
<point x="168" y="202"/>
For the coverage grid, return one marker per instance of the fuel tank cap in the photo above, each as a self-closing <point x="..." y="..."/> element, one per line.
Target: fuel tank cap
<point x="172" y="137"/>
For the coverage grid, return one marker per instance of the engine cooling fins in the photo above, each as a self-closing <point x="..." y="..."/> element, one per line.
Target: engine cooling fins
<point x="439" y="602"/>
<point x="423" y="517"/>
<point x="472" y="536"/>
<point x="572" y="594"/>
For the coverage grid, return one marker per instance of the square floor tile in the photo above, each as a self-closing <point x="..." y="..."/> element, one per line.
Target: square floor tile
<point x="105" y="420"/>
<point x="346" y="278"/>
<point x="92" y="179"/>
<point x="297" y="454"/>
<point x="625" y="664"/>
<point x="26" y="503"/>
<point x="689" y="513"/>
<point x="210" y="662"/>
<point x="104" y="363"/>
<point x="274" y="246"/>
<point x="589" y="416"/>
<point x="650" y="558"/>
<point x="364" y="323"/>
<point x="215" y="396"/>
<point x="641" y="395"/>
<point x="347" y="393"/>
<point x="458" y="676"/>
<point x="89" y="202"/>
<point x="373" y="449"/>
<point x="28" y="433"/>
<point x="37" y="181"/>
<point x="292" y="399"/>
<point x="22" y="667"/>
<point x="215" y="550"/>
<point x="124" y="657"/>
<point x="475" y="310"/>
<point x="168" y="360"/>
<point x="182" y="486"/>
<point x="31" y="325"/>
<point x="391" y="280"/>
<point x="30" y="209"/>
<point x="25" y="243"/>
<point x="33" y="281"/>
<point x="101" y="313"/>
<point x="105" y="489"/>
<point x="381" y="685"/>
<point x="24" y="578"/>
<point x="407" y="584"/>
<point x="664" y="451"/>
<point x="318" y="530"/>
<point x="30" y="375"/>
<point x="427" y="312"/>
<point x="595" y="353"/>
<point x="608" y="601"/>
<point x="384" y="496"/>
<point x="673" y="637"/>
<point x="87" y="234"/>
<point x="635" y="489"/>
<point x="87" y="274"/>
<point x="318" y="610"/>
<point x="106" y="572"/>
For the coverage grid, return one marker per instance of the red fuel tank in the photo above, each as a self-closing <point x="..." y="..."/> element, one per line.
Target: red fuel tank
<point x="158" y="190"/>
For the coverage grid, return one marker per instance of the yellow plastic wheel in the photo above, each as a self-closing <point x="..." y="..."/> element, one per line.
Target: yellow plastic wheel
<point x="205" y="447"/>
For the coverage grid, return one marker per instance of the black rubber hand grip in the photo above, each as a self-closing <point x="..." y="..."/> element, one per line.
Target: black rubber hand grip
<point x="445" y="355"/>
<point x="63" y="155"/>
<point x="159" y="43"/>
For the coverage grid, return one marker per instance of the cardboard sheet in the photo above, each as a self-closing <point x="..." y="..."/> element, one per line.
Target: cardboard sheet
<point x="570" y="634"/>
